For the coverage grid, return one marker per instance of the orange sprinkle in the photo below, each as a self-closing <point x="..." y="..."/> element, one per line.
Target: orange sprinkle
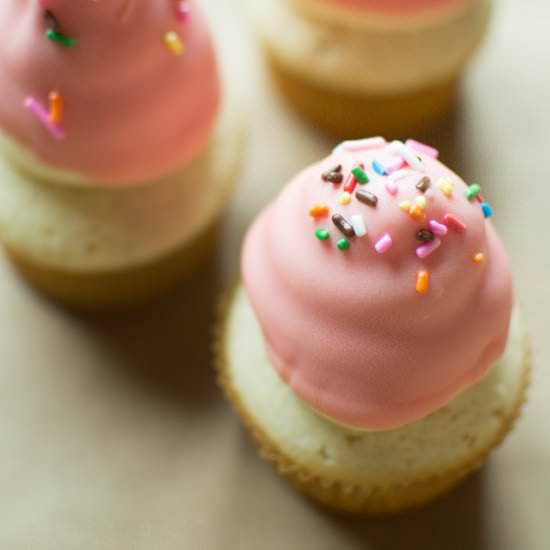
<point x="422" y="282"/>
<point x="56" y="107"/>
<point x="417" y="213"/>
<point x="319" y="211"/>
<point x="479" y="258"/>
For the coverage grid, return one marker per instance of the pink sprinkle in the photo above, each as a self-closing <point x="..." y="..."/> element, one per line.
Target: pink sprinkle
<point x="383" y="244"/>
<point x="422" y="148"/>
<point x="426" y="249"/>
<point x="360" y="145"/>
<point x="183" y="11"/>
<point x="454" y="223"/>
<point x="391" y="188"/>
<point x="43" y="116"/>
<point x="438" y="228"/>
<point x="395" y="165"/>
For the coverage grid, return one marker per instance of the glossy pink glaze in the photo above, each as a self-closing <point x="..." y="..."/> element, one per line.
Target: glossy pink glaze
<point x="133" y="110"/>
<point x="395" y="6"/>
<point x="347" y="330"/>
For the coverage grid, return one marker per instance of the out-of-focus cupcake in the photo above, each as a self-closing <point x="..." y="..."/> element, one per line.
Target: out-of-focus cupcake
<point x="117" y="150"/>
<point x="373" y="349"/>
<point x="359" y="67"/>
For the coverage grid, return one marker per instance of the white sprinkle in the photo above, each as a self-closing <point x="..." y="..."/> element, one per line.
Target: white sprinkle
<point x="399" y="175"/>
<point x="360" y="145"/>
<point x="401" y="150"/>
<point x="358" y="224"/>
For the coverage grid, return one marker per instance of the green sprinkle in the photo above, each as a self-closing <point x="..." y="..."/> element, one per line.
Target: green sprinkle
<point x="342" y="244"/>
<point x="322" y="234"/>
<point x="473" y="191"/>
<point x="360" y="175"/>
<point x="66" y="41"/>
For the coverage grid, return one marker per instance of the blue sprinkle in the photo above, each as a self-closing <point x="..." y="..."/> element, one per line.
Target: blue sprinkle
<point x="379" y="168"/>
<point x="487" y="210"/>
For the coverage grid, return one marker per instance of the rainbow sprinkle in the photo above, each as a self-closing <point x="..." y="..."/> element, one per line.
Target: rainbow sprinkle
<point x="61" y="39"/>
<point x="446" y="186"/>
<point x="51" y="21"/>
<point x="438" y="228"/>
<point x="407" y="163"/>
<point x="356" y="146"/>
<point x="360" y="175"/>
<point x="473" y="191"/>
<point x="322" y="234"/>
<point x="422" y="282"/>
<point x="43" y="116"/>
<point x="319" y="211"/>
<point x="479" y="258"/>
<point x="345" y="198"/>
<point x="454" y="223"/>
<point x="174" y="43"/>
<point x="400" y="149"/>
<point x="183" y="10"/>
<point x="379" y="168"/>
<point x="358" y="224"/>
<point x="391" y="188"/>
<point x="422" y="148"/>
<point x="343" y="244"/>
<point x="487" y="210"/>
<point x="56" y="106"/>
<point x="426" y="249"/>
<point x="383" y="244"/>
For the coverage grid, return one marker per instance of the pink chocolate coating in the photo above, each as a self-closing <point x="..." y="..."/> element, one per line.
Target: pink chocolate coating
<point x="395" y="6"/>
<point x="347" y="329"/>
<point x="133" y="110"/>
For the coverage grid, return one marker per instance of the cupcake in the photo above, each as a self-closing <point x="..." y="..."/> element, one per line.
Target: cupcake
<point x="355" y="67"/>
<point x="373" y="349"/>
<point x="117" y="150"/>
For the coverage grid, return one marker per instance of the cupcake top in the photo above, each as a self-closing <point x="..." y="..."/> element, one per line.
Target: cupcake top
<point x="380" y="284"/>
<point x="117" y="90"/>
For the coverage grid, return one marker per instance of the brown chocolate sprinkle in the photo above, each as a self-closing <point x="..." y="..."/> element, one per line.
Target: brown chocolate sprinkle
<point x="425" y="235"/>
<point x="343" y="225"/>
<point x="334" y="175"/>
<point x="424" y="184"/>
<point x="366" y="197"/>
<point x="51" y="21"/>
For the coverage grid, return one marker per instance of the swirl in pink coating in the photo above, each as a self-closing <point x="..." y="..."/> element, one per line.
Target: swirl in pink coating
<point x="395" y="6"/>
<point x="378" y="330"/>
<point x="140" y="86"/>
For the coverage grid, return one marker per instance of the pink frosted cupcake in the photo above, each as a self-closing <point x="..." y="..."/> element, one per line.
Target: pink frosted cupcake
<point x="118" y="152"/>
<point x="355" y="67"/>
<point x="373" y="349"/>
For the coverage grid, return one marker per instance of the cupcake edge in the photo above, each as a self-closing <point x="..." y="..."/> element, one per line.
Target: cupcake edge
<point x="345" y="497"/>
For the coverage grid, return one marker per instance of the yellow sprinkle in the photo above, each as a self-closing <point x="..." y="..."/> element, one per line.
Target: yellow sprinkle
<point x="446" y="186"/>
<point x="345" y="198"/>
<point x="173" y="43"/>
<point x="56" y="107"/>
<point x="422" y="282"/>
<point x="479" y="258"/>
<point x="421" y="202"/>
<point x="405" y="206"/>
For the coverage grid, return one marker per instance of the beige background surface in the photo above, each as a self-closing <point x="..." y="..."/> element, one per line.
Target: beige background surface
<point x="113" y="435"/>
